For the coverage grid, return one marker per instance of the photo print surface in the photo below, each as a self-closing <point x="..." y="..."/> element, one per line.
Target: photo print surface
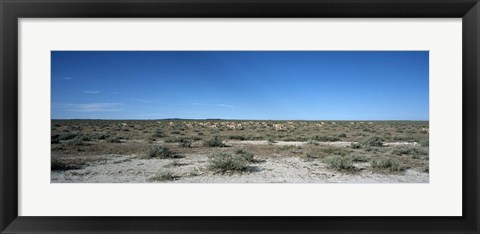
<point x="240" y="117"/>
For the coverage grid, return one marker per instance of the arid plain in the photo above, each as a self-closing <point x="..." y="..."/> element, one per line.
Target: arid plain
<point x="241" y="151"/>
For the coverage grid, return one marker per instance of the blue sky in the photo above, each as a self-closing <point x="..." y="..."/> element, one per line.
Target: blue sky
<point x="283" y="85"/>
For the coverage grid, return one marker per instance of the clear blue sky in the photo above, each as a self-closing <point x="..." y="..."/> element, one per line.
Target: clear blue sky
<point x="283" y="85"/>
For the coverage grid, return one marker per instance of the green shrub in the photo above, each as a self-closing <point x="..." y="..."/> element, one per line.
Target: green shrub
<point x="386" y="163"/>
<point x="355" y="146"/>
<point x="370" y="148"/>
<point x="55" y="139"/>
<point x="194" y="138"/>
<point x="151" y="138"/>
<point x="426" y="169"/>
<point x="113" y="139"/>
<point x="237" y="137"/>
<point x="325" y="138"/>
<point x="359" y="134"/>
<point x="67" y="136"/>
<point x="298" y="138"/>
<point x="214" y="142"/>
<point x="250" y="157"/>
<point x="56" y="164"/>
<point x="425" y="142"/>
<point x="186" y="144"/>
<point x="102" y="136"/>
<point x="176" y="139"/>
<point x="288" y="147"/>
<point x="84" y="137"/>
<point x="223" y="162"/>
<point x="77" y="141"/>
<point x="359" y="158"/>
<point x="373" y="141"/>
<point x="343" y="135"/>
<point x="271" y="140"/>
<point x="158" y="133"/>
<point x="332" y="150"/>
<point x="157" y="151"/>
<point x="184" y="141"/>
<point x="409" y="151"/>
<point x="340" y="163"/>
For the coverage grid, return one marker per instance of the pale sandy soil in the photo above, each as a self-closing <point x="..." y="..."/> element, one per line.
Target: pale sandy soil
<point x="192" y="168"/>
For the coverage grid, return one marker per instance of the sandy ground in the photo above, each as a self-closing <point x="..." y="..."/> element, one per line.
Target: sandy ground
<point x="192" y="169"/>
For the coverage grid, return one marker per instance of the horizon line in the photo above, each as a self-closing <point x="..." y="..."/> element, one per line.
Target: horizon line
<point x="210" y="119"/>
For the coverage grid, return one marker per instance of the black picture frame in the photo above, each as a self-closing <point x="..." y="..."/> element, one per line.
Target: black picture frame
<point x="11" y="11"/>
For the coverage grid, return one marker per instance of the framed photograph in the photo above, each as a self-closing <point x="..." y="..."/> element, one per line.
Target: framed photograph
<point x="239" y="116"/>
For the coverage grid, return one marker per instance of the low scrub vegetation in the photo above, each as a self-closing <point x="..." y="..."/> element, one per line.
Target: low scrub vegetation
<point x="288" y="148"/>
<point x="325" y="138"/>
<point x="157" y="151"/>
<point x="409" y="151"/>
<point x="311" y="155"/>
<point x="77" y="141"/>
<point x="176" y="139"/>
<point x="158" y="133"/>
<point x="373" y="141"/>
<point x="244" y="137"/>
<point x="101" y="136"/>
<point x="184" y="141"/>
<point x="214" y="142"/>
<point x="389" y="164"/>
<point x="164" y="176"/>
<point x="67" y="136"/>
<point x="55" y="139"/>
<point x="340" y="163"/>
<point x="356" y="146"/>
<point x="113" y="139"/>
<point x="271" y="140"/>
<point x="359" y="158"/>
<point x="56" y="164"/>
<point x="225" y="162"/>
<point x="332" y="150"/>
<point x="151" y="138"/>
<point x="249" y="157"/>
<point x="217" y="145"/>
<point x="295" y="138"/>
<point x="237" y="137"/>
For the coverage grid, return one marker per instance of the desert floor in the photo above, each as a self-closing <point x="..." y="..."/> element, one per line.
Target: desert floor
<point x="220" y="151"/>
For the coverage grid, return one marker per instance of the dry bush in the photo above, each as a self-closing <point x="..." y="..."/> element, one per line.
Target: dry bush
<point x="157" y="151"/>
<point x="224" y="162"/>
